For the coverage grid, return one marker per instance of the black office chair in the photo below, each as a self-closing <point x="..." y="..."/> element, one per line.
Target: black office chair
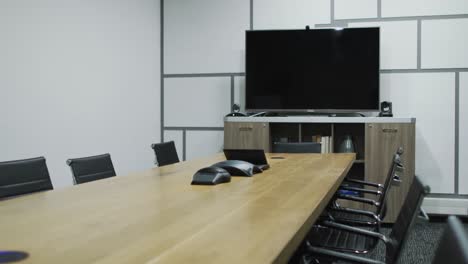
<point x="373" y="218"/>
<point x="453" y="246"/>
<point x="327" y="240"/>
<point x="166" y="153"/>
<point x="297" y="147"/>
<point x="91" y="168"/>
<point x="362" y="218"/>
<point x="24" y="176"/>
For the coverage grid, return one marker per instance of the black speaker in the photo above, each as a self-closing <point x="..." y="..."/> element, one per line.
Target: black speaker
<point x="386" y="109"/>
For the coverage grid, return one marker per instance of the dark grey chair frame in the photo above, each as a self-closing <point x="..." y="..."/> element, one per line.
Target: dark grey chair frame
<point x="25" y="176"/>
<point x="91" y="168"/>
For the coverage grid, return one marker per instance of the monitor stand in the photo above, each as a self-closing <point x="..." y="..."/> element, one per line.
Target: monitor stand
<point x="347" y="115"/>
<point x="286" y="114"/>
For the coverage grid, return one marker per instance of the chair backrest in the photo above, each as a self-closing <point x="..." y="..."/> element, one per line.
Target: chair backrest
<point x="166" y="153"/>
<point x="453" y="246"/>
<point x="24" y="176"/>
<point x="297" y="147"/>
<point x="405" y="219"/>
<point x="91" y="168"/>
<point x="395" y="166"/>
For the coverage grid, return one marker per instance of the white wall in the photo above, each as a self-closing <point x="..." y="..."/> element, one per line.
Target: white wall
<point x="80" y="78"/>
<point x="424" y="51"/>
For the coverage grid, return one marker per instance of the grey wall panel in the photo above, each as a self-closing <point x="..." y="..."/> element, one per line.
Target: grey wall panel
<point x="430" y="97"/>
<point x="398" y="43"/>
<point x="204" y="143"/>
<point x="444" y="43"/>
<point x="463" y="147"/>
<point x="193" y="102"/>
<point x="205" y="36"/>
<point x="350" y="9"/>
<point x="290" y="14"/>
<point x="399" y="8"/>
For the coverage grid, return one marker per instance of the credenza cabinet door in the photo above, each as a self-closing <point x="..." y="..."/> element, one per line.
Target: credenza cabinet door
<point x="381" y="142"/>
<point x="245" y="135"/>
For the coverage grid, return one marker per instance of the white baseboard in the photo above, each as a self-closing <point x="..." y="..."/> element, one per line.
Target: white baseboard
<point x="446" y="206"/>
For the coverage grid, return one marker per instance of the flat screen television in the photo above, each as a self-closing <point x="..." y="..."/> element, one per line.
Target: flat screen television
<point x="313" y="70"/>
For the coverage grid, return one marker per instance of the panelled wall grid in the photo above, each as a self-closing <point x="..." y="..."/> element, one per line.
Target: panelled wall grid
<point x="424" y="70"/>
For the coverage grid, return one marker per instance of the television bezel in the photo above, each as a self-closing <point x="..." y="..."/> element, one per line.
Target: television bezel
<point x="318" y="111"/>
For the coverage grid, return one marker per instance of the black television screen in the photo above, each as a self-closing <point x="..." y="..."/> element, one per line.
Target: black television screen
<point x="322" y="70"/>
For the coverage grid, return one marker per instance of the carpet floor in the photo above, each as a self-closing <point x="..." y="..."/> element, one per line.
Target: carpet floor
<point x="420" y="246"/>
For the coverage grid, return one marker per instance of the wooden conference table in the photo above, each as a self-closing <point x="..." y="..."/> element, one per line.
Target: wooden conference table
<point x="157" y="217"/>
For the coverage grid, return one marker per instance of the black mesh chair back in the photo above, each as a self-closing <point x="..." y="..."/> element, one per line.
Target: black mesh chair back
<point x="91" y="168"/>
<point x="24" y="176"/>
<point x="395" y="167"/>
<point x="297" y="147"/>
<point x="166" y="153"/>
<point x="405" y="219"/>
<point x="453" y="246"/>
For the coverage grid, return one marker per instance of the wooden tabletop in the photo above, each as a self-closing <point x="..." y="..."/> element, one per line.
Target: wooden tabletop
<point x="157" y="217"/>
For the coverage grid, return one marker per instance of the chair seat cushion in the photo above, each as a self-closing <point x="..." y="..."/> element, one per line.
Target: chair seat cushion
<point x="340" y="240"/>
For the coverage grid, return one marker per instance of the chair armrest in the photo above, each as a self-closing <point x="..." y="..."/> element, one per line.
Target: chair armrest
<point x="356" y="230"/>
<point x="339" y="255"/>
<point x="349" y="188"/>
<point x="357" y="199"/>
<point x="377" y="185"/>
<point x="356" y="211"/>
<point x="357" y="223"/>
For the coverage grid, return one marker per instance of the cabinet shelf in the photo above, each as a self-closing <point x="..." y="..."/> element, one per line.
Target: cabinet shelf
<point x="374" y="145"/>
